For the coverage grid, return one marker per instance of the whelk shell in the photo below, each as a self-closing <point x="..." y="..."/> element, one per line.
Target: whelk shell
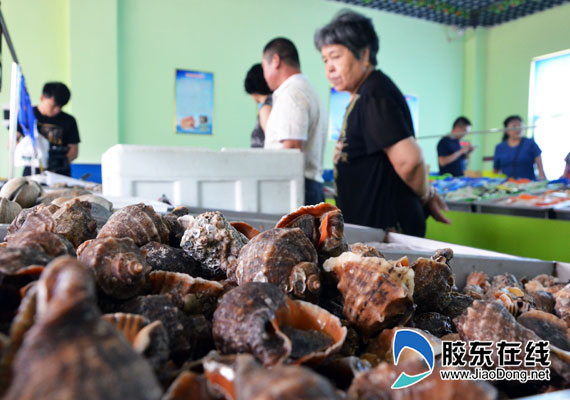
<point x="192" y="295"/>
<point x="138" y="222"/>
<point x="119" y="267"/>
<point x="323" y="224"/>
<point x="433" y="282"/>
<point x="284" y="257"/>
<point x="242" y="378"/>
<point x="50" y="243"/>
<point x="377" y="293"/>
<point x="70" y="352"/>
<point x="259" y="318"/>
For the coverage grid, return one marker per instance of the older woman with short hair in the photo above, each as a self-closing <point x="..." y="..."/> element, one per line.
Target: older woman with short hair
<point x="380" y="175"/>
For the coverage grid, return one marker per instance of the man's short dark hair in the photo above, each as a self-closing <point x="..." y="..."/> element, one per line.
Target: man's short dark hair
<point x="285" y="49"/>
<point x="58" y="91"/>
<point x="255" y="82"/>
<point x="461" y="122"/>
<point x="351" y="30"/>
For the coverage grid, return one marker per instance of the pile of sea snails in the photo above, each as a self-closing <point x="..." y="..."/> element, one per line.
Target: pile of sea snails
<point x="137" y="305"/>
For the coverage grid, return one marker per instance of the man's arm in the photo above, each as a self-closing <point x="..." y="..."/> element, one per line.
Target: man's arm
<point x="73" y="152"/>
<point x="293" y="144"/>
<point x="444" y="160"/>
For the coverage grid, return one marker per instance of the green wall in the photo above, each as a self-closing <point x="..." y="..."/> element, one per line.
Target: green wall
<point x="510" y="50"/>
<point x="155" y="38"/>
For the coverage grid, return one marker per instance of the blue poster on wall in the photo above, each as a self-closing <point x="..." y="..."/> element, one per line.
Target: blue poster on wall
<point x="194" y="103"/>
<point x="414" y="110"/>
<point x="339" y="101"/>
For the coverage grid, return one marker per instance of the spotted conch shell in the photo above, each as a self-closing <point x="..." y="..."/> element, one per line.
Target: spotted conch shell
<point x="377" y="293"/>
<point x="70" y="352"/>
<point x="211" y="240"/>
<point x="323" y="224"/>
<point x="120" y="268"/>
<point x="138" y="222"/>
<point x="242" y="378"/>
<point x="258" y="318"/>
<point x="284" y="257"/>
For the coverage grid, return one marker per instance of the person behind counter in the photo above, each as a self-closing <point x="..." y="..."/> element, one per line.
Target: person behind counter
<point x="58" y="127"/>
<point x="516" y="155"/>
<point x="257" y="88"/>
<point x="380" y="174"/>
<point x="451" y="156"/>
<point x="298" y="119"/>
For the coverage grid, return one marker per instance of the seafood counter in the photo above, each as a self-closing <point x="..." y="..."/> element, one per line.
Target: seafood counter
<point x="521" y="197"/>
<point x="100" y="303"/>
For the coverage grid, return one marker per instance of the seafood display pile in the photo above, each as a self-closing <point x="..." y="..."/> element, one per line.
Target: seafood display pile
<point x="137" y="305"/>
<point x="478" y="189"/>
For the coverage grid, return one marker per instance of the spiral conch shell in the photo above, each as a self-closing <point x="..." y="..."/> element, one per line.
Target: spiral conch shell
<point x="120" y="268"/>
<point x="284" y="257"/>
<point x="377" y="293"/>
<point x="9" y="210"/>
<point x="323" y="224"/>
<point x="259" y="318"/>
<point x="138" y="222"/>
<point x="50" y="243"/>
<point x="23" y="191"/>
<point x="70" y="352"/>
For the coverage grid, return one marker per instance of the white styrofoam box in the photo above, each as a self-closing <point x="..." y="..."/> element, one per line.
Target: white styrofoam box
<point x="252" y="180"/>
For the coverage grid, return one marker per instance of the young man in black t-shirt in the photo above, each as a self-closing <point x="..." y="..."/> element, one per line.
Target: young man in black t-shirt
<point x="452" y="157"/>
<point x="58" y="127"/>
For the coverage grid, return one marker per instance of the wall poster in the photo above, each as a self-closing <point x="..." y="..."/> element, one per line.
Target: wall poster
<point x="194" y="102"/>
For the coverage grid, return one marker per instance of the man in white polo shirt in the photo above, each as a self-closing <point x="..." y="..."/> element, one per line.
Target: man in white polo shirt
<point x="298" y="119"/>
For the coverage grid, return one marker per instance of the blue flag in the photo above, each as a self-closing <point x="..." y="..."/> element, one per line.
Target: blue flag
<point x="26" y="117"/>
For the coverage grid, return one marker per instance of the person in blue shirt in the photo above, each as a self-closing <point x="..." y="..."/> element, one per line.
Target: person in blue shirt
<point x="516" y="155"/>
<point x="451" y="156"/>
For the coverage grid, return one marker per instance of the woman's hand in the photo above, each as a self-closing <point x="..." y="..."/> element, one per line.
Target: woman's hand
<point x="436" y="205"/>
<point x="337" y="151"/>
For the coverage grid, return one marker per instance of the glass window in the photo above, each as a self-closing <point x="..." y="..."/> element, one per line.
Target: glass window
<point x="549" y="109"/>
